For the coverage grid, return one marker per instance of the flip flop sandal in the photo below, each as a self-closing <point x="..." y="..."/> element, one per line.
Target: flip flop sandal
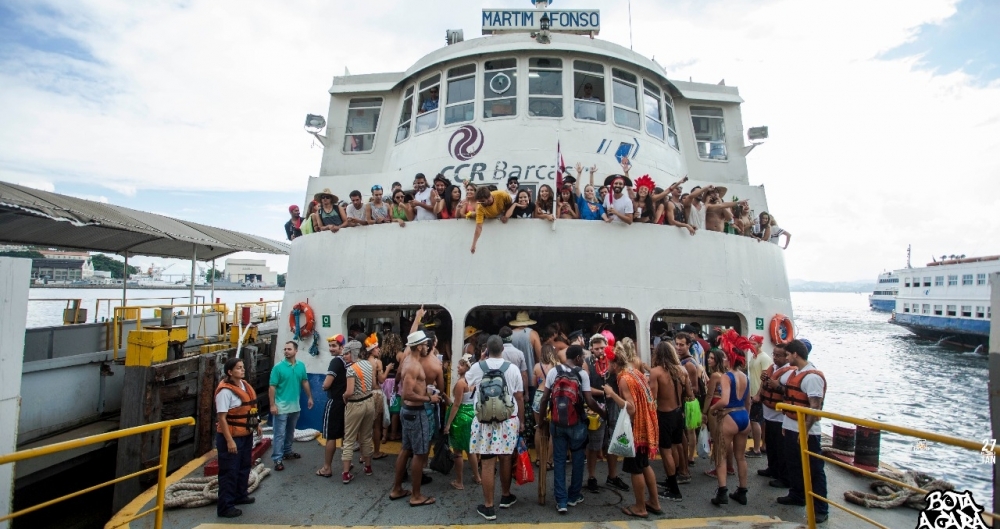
<point x="380" y="455"/>
<point x="322" y="475"/>
<point x="653" y="510"/>
<point x="279" y="466"/>
<point x="549" y="466"/>
<point x="628" y="512"/>
<point x="292" y="455"/>
<point x="401" y="496"/>
<point x="427" y="501"/>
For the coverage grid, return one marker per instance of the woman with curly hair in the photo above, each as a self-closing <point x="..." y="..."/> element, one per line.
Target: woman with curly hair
<point x="458" y="427"/>
<point x="637" y="399"/>
<point x="545" y="205"/>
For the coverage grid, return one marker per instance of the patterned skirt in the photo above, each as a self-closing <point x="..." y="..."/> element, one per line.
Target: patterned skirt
<point x="494" y="438"/>
<point x="461" y="428"/>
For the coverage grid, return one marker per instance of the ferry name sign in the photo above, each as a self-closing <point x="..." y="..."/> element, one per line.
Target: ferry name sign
<point x="579" y="21"/>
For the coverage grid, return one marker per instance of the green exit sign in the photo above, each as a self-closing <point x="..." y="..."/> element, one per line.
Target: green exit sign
<point x="326" y="320"/>
<point x="760" y="324"/>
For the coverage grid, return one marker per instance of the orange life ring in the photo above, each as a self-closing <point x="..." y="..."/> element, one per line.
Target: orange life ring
<point x="782" y="329"/>
<point x="302" y="329"/>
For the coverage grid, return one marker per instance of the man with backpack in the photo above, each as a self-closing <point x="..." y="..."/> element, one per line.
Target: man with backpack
<point x="499" y="421"/>
<point x="567" y="387"/>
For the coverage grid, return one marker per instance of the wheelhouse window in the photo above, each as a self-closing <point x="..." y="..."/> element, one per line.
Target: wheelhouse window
<point x="545" y="88"/>
<point x="588" y="91"/>
<point x="671" y="126"/>
<point x="939" y="281"/>
<point x="362" y="122"/>
<point x="966" y="311"/>
<point x="405" y="115"/>
<point x="966" y="279"/>
<point x="927" y="281"/>
<point x="980" y="279"/>
<point x="625" y="88"/>
<point x="654" y="111"/>
<point x="709" y="132"/>
<point x="427" y="104"/>
<point x="460" y="105"/>
<point x="500" y="88"/>
<point x="907" y="283"/>
<point x="979" y="311"/>
<point x="951" y="310"/>
<point x="926" y="308"/>
<point x="952" y="281"/>
<point x="937" y="310"/>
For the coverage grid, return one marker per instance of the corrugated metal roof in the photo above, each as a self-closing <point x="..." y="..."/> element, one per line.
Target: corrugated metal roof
<point x="40" y="218"/>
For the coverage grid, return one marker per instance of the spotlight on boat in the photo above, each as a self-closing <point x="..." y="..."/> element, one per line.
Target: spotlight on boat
<point x="314" y="123"/>
<point x="757" y="133"/>
<point x="542" y="36"/>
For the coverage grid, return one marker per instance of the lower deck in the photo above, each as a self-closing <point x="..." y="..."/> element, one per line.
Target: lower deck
<point x="297" y="497"/>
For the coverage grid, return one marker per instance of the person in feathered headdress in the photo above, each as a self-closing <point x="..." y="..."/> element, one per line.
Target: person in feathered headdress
<point x="373" y="353"/>
<point x="644" y="205"/>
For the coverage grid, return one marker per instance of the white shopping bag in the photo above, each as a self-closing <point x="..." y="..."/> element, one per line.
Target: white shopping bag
<point x="622" y="441"/>
<point x="703" y="448"/>
<point x="386" y="419"/>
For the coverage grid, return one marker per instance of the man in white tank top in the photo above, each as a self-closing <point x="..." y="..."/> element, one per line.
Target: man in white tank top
<point x="424" y="198"/>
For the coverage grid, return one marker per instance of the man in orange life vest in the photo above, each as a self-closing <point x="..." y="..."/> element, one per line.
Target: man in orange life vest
<point x="804" y="386"/>
<point x="770" y="396"/>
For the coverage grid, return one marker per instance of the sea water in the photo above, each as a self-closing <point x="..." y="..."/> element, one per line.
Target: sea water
<point x="879" y="371"/>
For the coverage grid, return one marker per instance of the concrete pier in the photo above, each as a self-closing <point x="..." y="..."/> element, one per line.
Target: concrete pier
<point x="15" y="274"/>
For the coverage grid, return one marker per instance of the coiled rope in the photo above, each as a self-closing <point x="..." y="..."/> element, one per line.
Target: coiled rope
<point x="829" y="449"/>
<point x="888" y="495"/>
<point x="314" y="348"/>
<point x="196" y="492"/>
<point x="300" y="435"/>
<point x="297" y="337"/>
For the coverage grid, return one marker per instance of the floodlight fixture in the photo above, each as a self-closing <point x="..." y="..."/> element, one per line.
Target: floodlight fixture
<point x="757" y="133"/>
<point x="314" y="123"/>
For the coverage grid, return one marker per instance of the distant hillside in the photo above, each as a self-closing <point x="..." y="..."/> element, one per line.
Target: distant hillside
<point x="799" y="285"/>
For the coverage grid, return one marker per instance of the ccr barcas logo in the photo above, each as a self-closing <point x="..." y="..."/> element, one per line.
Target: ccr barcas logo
<point x="465" y="143"/>
<point x="950" y="510"/>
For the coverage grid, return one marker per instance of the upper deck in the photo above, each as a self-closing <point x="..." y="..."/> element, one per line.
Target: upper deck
<point x="493" y="107"/>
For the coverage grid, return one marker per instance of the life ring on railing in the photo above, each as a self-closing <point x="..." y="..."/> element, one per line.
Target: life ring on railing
<point x="302" y="329"/>
<point x="782" y="329"/>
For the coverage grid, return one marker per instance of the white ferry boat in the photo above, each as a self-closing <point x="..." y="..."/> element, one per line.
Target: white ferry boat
<point x="883" y="298"/>
<point x="508" y="101"/>
<point x="948" y="300"/>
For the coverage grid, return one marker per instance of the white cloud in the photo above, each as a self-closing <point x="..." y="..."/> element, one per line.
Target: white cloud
<point x="865" y="155"/>
<point x="41" y="186"/>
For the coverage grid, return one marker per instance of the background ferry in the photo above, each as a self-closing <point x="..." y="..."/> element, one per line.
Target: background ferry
<point x="948" y="300"/>
<point x="883" y="298"/>
<point x="536" y="81"/>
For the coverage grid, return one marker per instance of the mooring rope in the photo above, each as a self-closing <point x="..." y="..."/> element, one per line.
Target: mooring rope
<point x="888" y="495"/>
<point x="196" y="492"/>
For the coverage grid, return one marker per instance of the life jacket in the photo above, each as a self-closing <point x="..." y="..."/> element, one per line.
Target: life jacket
<point x="769" y="397"/>
<point x="243" y="419"/>
<point x="794" y="394"/>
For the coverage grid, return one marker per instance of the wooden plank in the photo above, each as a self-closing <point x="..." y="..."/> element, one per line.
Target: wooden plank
<point x="542" y="451"/>
<point x="181" y="389"/>
<point x="167" y="371"/>
<point x="130" y="448"/>
<point x="204" y="429"/>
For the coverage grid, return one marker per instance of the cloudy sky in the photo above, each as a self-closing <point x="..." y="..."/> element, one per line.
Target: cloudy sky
<point x="884" y="116"/>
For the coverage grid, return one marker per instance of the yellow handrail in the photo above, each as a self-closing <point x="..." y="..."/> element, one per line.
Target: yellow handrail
<point x="238" y="314"/>
<point x="161" y="468"/>
<point x="804" y="453"/>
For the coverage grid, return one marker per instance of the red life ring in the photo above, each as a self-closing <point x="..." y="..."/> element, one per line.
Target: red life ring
<point x="304" y="329"/>
<point x="782" y="329"/>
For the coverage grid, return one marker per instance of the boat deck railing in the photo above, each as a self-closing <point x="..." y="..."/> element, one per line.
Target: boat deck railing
<point x="801" y="413"/>
<point x="134" y="312"/>
<point x="161" y="468"/>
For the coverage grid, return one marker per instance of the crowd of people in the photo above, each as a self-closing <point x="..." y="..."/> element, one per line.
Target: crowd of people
<point x="618" y="200"/>
<point x="566" y="388"/>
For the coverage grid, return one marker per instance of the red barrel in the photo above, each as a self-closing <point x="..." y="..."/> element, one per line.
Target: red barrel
<point x="867" y="446"/>
<point x="843" y="438"/>
<point x="245" y="315"/>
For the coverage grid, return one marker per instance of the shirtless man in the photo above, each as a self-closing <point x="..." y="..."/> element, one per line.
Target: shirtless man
<point x="717" y="212"/>
<point x="683" y="343"/>
<point x="669" y="386"/>
<point x="414" y="419"/>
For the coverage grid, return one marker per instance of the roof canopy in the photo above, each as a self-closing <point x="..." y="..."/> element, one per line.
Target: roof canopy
<point x="39" y="218"/>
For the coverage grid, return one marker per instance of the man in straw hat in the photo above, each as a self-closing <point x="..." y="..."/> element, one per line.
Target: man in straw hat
<point x="528" y="342"/>
<point x="330" y="216"/>
<point x="717" y="212"/>
<point x="414" y="420"/>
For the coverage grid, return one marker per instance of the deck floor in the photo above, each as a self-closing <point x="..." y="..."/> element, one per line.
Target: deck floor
<point x="297" y="497"/>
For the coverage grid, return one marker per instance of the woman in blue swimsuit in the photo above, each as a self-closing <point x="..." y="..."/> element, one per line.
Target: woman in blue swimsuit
<point x="733" y="410"/>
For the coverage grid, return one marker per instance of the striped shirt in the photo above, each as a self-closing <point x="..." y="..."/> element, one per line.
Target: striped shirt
<point x="363" y="374"/>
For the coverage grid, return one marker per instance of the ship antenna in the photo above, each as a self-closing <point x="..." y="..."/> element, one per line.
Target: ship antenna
<point x="908" y="256"/>
<point x="630" y="24"/>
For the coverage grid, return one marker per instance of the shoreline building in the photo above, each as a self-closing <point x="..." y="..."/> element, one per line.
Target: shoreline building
<point x="253" y="271"/>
